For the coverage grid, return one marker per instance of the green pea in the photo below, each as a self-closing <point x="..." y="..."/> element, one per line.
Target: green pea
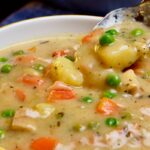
<point x="106" y="39"/>
<point x="87" y="99"/>
<point x="79" y="128"/>
<point x="111" y="122"/>
<point x="8" y="113"/>
<point x="19" y="52"/>
<point x="109" y="94"/>
<point x="3" y="59"/>
<point x="39" y="67"/>
<point x="137" y="32"/>
<point x="2" y="133"/>
<point x="94" y="125"/>
<point x="71" y="58"/>
<point x="6" y="68"/>
<point x="112" y="32"/>
<point x="113" y="80"/>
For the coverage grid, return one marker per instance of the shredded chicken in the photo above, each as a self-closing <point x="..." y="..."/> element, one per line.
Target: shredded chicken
<point x="131" y="135"/>
<point x="70" y="146"/>
<point x="116" y="139"/>
<point x="145" y="111"/>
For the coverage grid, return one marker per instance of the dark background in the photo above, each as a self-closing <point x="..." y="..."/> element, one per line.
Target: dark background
<point x="16" y="10"/>
<point x="9" y="6"/>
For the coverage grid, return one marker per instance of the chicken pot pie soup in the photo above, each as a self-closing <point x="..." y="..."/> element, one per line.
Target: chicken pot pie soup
<point x="77" y="92"/>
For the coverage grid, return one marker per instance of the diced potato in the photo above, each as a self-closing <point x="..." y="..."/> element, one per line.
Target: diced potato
<point x="1" y="148"/>
<point x="44" y="109"/>
<point x="24" y="119"/>
<point x="119" y="55"/>
<point x="130" y="82"/>
<point x="64" y="70"/>
<point x="94" y="74"/>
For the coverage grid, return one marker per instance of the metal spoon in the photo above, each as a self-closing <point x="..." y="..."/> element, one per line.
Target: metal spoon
<point x="138" y="13"/>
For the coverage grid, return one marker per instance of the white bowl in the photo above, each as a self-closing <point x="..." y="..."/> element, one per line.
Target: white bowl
<point x="45" y="26"/>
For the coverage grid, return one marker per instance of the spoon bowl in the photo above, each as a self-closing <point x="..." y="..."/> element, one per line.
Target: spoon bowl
<point x="138" y="13"/>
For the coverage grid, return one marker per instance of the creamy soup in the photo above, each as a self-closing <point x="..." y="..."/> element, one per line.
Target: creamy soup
<point x="87" y="92"/>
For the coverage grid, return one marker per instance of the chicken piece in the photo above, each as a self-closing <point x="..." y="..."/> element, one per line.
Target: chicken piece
<point x="130" y="82"/>
<point x="24" y="119"/>
<point x="70" y="146"/>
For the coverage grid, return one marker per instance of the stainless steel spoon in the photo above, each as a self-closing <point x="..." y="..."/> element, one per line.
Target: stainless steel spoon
<point x="139" y="13"/>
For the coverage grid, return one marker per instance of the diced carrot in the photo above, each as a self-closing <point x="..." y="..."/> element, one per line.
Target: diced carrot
<point x="60" y="53"/>
<point x="61" y="95"/>
<point x="20" y="94"/>
<point x="88" y="37"/>
<point x="44" y="143"/>
<point x="60" y="91"/>
<point x="25" y="59"/>
<point x="32" y="80"/>
<point x="32" y="49"/>
<point x="107" y="106"/>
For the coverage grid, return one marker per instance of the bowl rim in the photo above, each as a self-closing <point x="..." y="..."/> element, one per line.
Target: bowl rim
<point x="21" y="31"/>
<point x="67" y="16"/>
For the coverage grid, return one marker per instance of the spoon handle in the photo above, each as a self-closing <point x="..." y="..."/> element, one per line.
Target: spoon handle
<point x="143" y="1"/>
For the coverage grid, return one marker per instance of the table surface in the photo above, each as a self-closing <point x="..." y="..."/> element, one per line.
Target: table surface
<point x="38" y="8"/>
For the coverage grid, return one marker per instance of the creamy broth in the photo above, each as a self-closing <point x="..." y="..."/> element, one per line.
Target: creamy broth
<point x="77" y="92"/>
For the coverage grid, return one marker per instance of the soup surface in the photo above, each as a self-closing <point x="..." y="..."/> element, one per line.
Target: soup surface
<point x="77" y="92"/>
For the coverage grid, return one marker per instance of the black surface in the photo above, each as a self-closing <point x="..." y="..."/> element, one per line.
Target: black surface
<point x="9" y="6"/>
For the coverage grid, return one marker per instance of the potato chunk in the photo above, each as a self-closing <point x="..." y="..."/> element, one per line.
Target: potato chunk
<point x="24" y="119"/>
<point x="130" y="82"/>
<point x="118" y="55"/>
<point x="88" y="62"/>
<point x="64" y="70"/>
<point x="44" y="109"/>
<point x="1" y="148"/>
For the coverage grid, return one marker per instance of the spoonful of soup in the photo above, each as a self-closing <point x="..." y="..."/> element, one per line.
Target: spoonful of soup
<point x="139" y="13"/>
<point x="119" y="41"/>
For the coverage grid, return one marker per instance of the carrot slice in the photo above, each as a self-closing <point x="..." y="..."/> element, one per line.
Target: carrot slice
<point x="32" y="49"/>
<point x="60" y="91"/>
<point x="26" y="59"/>
<point x="44" y="143"/>
<point x="92" y="34"/>
<point x="20" y="94"/>
<point x="87" y="38"/>
<point x="61" y="95"/>
<point x="107" y="106"/>
<point x="60" y="53"/>
<point x="32" y="80"/>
